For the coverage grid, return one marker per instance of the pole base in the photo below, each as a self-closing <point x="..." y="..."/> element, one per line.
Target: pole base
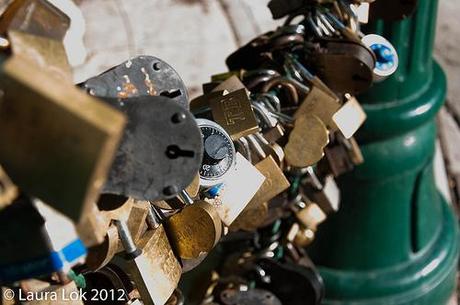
<point x="429" y="278"/>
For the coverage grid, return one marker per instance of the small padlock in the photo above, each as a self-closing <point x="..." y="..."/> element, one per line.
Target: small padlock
<point x="306" y="141"/>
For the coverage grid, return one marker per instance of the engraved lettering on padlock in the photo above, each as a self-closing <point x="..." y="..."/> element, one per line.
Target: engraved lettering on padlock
<point x="234" y="113"/>
<point x="194" y="230"/>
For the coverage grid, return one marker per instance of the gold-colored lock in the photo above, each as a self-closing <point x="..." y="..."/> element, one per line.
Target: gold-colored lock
<point x="221" y="77"/>
<point x="275" y="182"/>
<point x="137" y="223"/>
<point x="302" y="233"/>
<point x="274" y="134"/>
<point x="300" y="236"/>
<point x="100" y="255"/>
<point x="155" y="271"/>
<point x="251" y="218"/>
<point x="46" y="53"/>
<point x="93" y="226"/>
<point x="321" y="104"/>
<point x="234" y="113"/>
<point x="231" y="84"/>
<point x="40" y="113"/>
<point x="201" y="103"/>
<point x="306" y="141"/>
<point x="310" y="216"/>
<point x="194" y="230"/>
<point x="37" y="17"/>
<point x="4" y="6"/>
<point x="194" y="187"/>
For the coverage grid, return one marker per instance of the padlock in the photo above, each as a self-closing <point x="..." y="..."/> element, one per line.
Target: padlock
<point x="300" y="236"/>
<point x="194" y="186"/>
<point x="291" y="283"/>
<point x="40" y="113"/>
<point x="36" y="17"/>
<point x="235" y="192"/>
<point x="151" y="264"/>
<point x="252" y="55"/>
<point x="46" y="53"/>
<point x="349" y="117"/>
<point x="154" y="172"/>
<point x="194" y="230"/>
<point x="231" y="84"/>
<point x="201" y="105"/>
<point x="275" y="182"/>
<point x="139" y="76"/>
<point x="100" y="255"/>
<point x="320" y="104"/>
<point x="327" y="197"/>
<point x="310" y="216"/>
<point x="342" y="155"/>
<point x="345" y="66"/>
<point x="234" y="113"/>
<point x="306" y="141"/>
<point x="274" y="134"/>
<point x="280" y="9"/>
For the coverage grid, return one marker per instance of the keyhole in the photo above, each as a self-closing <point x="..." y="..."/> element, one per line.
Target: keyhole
<point x="174" y="152"/>
<point x="171" y="93"/>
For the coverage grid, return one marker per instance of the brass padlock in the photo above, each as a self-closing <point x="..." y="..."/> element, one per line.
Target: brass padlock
<point x="234" y="113"/>
<point x="320" y="104"/>
<point x="231" y="84"/>
<point x="194" y="230"/>
<point x="306" y="141"/>
<point x="152" y="265"/>
<point x="40" y="113"/>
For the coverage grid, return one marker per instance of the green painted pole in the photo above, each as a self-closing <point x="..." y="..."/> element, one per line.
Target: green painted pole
<point x="395" y="239"/>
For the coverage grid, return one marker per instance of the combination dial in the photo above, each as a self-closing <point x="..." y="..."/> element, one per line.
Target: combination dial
<point x="219" y="153"/>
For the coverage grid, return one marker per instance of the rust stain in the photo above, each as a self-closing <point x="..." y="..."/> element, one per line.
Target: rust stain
<point x="128" y="88"/>
<point x="148" y="83"/>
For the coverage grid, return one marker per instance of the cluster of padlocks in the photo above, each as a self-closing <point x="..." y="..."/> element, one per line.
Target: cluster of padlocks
<point x="121" y="184"/>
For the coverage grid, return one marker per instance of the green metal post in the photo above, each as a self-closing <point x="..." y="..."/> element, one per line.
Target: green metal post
<point x="395" y="238"/>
